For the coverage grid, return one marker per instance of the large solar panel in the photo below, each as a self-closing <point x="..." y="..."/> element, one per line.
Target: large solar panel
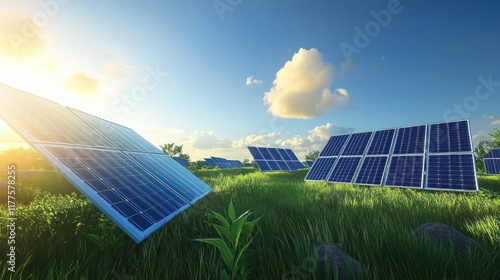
<point x="275" y="159"/>
<point x="436" y="156"/>
<point x="450" y="159"/>
<point x="131" y="181"/>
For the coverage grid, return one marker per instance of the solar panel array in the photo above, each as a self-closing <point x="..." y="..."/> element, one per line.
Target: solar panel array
<point x="436" y="156"/>
<point x="492" y="162"/>
<point x="134" y="183"/>
<point x="209" y="162"/>
<point x="223" y="163"/>
<point x="181" y="161"/>
<point x="275" y="159"/>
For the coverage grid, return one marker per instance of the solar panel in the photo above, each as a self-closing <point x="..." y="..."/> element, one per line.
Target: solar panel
<point x="436" y="156"/>
<point x="275" y="159"/>
<point x="181" y="161"/>
<point x="320" y="169"/>
<point x="492" y="165"/>
<point x="410" y="140"/>
<point x="309" y="163"/>
<point x="372" y="171"/>
<point x="236" y="163"/>
<point x="450" y="160"/>
<point x="334" y="145"/>
<point x="381" y="142"/>
<point x="406" y="171"/>
<point x="131" y="181"/>
<point x="453" y="171"/>
<point x="222" y="163"/>
<point x="356" y="144"/>
<point x="344" y="170"/>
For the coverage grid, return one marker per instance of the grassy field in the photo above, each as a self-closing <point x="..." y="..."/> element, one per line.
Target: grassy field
<point x="66" y="237"/>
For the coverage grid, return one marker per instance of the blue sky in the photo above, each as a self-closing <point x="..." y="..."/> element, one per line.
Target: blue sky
<point x="216" y="76"/>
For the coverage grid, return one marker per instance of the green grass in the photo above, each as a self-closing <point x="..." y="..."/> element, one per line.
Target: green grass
<point x="372" y="224"/>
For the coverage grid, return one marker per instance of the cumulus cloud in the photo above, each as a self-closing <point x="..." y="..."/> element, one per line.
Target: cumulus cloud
<point x="495" y="122"/>
<point x="480" y="136"/>
<point x="208" y="140"/>
<point x="488" y="117"/>
<point x="256" y="140"/>
<point x="82" y="82"/>
<point x="301" y="87"/>
<point x="251" y="81"/>
<point x="21" y="37"/>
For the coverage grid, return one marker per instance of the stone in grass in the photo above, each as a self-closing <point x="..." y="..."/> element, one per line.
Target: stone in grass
<point x="337" y="262"/>
<point x="444" y="235"/>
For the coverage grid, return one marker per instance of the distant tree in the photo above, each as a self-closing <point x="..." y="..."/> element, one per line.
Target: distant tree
<point x="196" y="165"/>
<point x="312" y="155"/>
<point x="254" y="164"/>
<point x="496" y="138"/>
<point x="173" y="150"/>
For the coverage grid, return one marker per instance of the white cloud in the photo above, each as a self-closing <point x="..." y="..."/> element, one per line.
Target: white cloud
<point x="251" y="81"/>
<point x="488" y="117"/>
<point x="480" y="136"/>
<point x="301" y="88"/>
<point x="256" y="140"/>
<point x="495" y="122"/>
<point x="208" y="140"/>
<point x="82" y="82"/>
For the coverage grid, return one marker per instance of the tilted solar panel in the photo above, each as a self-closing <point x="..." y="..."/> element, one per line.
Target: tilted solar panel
<point x="357" y="143"/>
<point x="275" y="159"/>
<point x="292" y="155"/>
<point x="372" y="171"/>
<point x="452" y="171"/>
<point x="320" y="169"/>
<point x="209" y="163"/>
<point x="492" y="165"/>
<point x="139" y="190"/>
<point x="382" y="142"/>
<point x="410" y="140"/>
<point x="449" y="137"/>
<point x="344" y="170"/>
<point x="334" y="145"/>
<point x="255" y="153"/>
<point x="495" y="153"/>
<point x="266" y="154"/>
<point x="263" y="166"/>
<point x="284" y="154"/>
<point x="181" y="161"/>
<point x="406" y="171"/>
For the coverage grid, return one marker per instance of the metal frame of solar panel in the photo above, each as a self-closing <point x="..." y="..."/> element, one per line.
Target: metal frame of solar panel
<point x="135" y="184"/>
<point x="492" y="162"/>
<point x="325" y="162"/>
<point x="181" y="161"/>
<point x="275" y="159"/>
<point x="436" y="156"/>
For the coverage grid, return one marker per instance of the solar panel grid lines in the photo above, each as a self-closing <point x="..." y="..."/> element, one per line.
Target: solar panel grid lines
<point x="357" y="143"/>
<point x="450" y="158"/>
<point x="275" y="159"/>
<point x="209" y="162"/>
<point x="492" y="165"/>
<point x="382" y="142"/>
<point x="181" y="161"/>
<point x="372" y="171"/>
<point x="410" y="140"/>
<point x="130" y="180"/>
<point x="334" y="145"/>
<point x="495" y="153"/>
<point x="344" y="170"/>
<point x="405" y="171"/>
<point x="321" y="169"/>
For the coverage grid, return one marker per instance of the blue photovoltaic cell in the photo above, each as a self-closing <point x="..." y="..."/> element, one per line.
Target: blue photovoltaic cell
<point x="236" y="163"/>
<point x="273" y="165"/>
<point x="410" y="140"/>
<point x="405" y="171"/>
<point x="266" y="154"/>
<point x="492" y="165"/>
<point x="222" y="163"/>
<point x="495" y="153"/>
<point x="284" y="154"/>
<point x="334" y="145"/>
<point x="381" y="142"/>
<point x="275" y="154"/>
<point x="283" y="166"/>
<point x="344" y="170"/>
<point x="310" y="163"/>
<point x="130" y="180"/>
<point x="181" y="161"/>
<point x="357" y="143"/>
<point x="320" y="169"/>
<point x="255" y="153"/>
<point x="455" y="171"/>
<point x="123" y="138"/>
<point x="372" y="170"/>
<point x="263" y="166"/>
<point x="449" y="137"/>
<point x="292" y="155"/>
<point x="209" y="162"/>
